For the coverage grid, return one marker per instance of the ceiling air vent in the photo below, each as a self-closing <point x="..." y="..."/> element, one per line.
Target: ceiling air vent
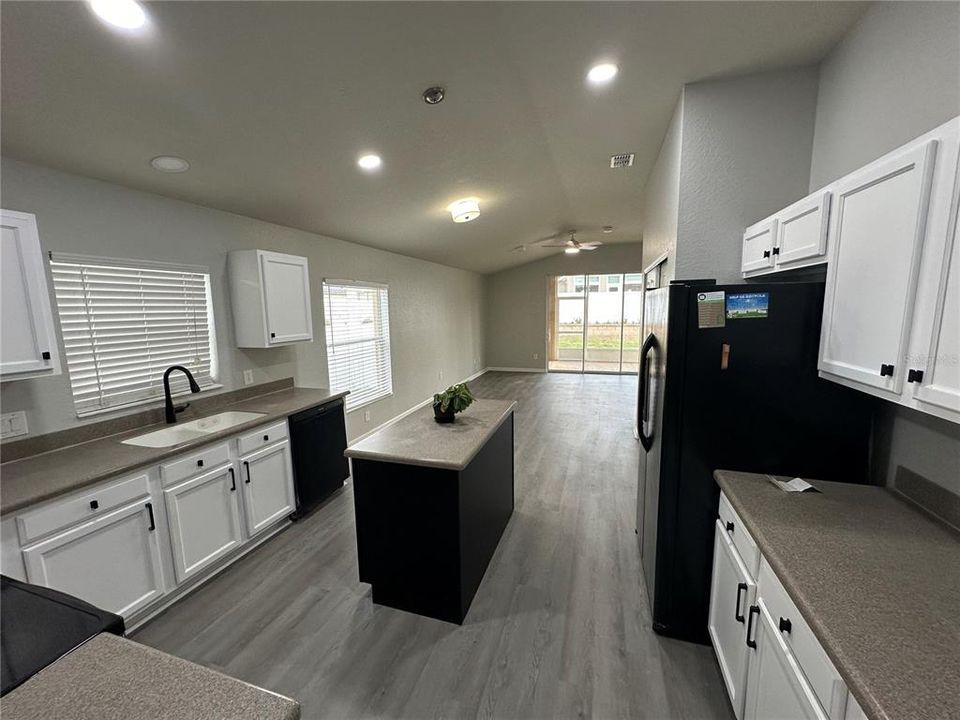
<point x="621" y="160"/>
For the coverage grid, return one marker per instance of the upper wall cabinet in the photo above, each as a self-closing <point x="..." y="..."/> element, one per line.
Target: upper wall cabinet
<point x="271" y="298"/>
<point x="795" y="237"/>
<point x="29" y="342"/>
<point x="892" y="308"/>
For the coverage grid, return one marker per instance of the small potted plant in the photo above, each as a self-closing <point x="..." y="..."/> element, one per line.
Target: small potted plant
<point x="447" y="404"/>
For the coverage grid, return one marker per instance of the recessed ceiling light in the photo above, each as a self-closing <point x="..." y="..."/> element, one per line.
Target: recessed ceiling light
<point x="571" y="250"/>
<point x="370" y="162"/>
<point x="464" y="210"/>
<point x="126" y="14"/>
<point x="602" y="74"/>
<point x="170" y="164"/>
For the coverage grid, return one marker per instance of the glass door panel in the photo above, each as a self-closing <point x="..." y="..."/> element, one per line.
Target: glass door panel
<point x="632" y="320"/>
<point x="604" y="328"/>
<point x="569" y="310"/>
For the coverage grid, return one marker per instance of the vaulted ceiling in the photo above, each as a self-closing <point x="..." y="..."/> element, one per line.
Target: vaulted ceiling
<point x="273" y="102"/>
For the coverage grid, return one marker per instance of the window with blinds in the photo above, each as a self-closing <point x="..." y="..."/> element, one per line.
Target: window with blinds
<point x="125" y="322"/>
<point x="357" y="319"/>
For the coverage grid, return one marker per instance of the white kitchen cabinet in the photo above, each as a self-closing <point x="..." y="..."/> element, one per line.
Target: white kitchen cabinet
<point x="203" y="516"/>
<point x="758" y="241"/>
<point x="268" y="492"/>
<point x="892" y="305"/>
<point x="776" y="687"/>
<point x="802" y="232"/>
<point x="29" y="343"/>
<point x="112" y="561"/>
<point x="732" y="592"/>
<point x="270" y="295"/>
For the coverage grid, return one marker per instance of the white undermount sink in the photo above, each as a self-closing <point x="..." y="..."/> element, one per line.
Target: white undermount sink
<point x="176" y="434"/>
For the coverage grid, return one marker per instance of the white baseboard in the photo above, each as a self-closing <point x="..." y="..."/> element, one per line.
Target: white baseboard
<point x="401" y="416"/>
<point x="516" y="369"/>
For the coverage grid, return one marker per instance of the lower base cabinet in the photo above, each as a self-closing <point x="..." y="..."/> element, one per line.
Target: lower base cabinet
<point x="203" y="515"/>
<point x="112" y="562"/>
<point x="268" y="494"/>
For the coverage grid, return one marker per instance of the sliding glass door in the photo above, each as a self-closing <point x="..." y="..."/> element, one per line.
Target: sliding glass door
<point x="594" y="323"/>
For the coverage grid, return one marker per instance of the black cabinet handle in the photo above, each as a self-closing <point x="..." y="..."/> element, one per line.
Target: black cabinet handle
<point x="266" y="437"/>
<point x="273" y="335"/>
<point x="886" y="370"/>
<point x="914" y="375"/>
<point x="766" y="253"/>
<point x="785" y="625"/>
<point x="754" y="610"/>
<point x="737" y="615"/>
<point x="153" y="524"/>
<point x="247" y="466"/>
<point x="729" y="526"/>
<point x="233" y="479"/>
<point x="45" y="355"/>
<point x="94" y="504"/>
<point x="776" y="251"/>
<point x="199" y="463"/>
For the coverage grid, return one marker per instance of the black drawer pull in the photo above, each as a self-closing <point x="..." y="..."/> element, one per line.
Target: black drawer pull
<point x="233" y="480"/>
<point x="266" y="437"/>
<point x="94" y="504"/>
<point x="886" y="370"/>
<point x="247" y="466"/>
<point x="776" y="251"/>
<point x="785" y="625"/>
<point x="199" y="463"/>
<point x="766" y="253"/>
<point x="729" y="526"/>
<point x="737" y="615"/>
<point x="45" y="355"/>
<point x="754" y="610"/>
<point x="153" y="524"/>
<point x="914" y="376"/>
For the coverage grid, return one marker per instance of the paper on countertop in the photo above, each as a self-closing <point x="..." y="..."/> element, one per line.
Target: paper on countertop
<point x="795" y="485"/>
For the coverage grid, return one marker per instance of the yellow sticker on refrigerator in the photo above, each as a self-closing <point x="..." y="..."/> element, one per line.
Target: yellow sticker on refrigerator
<point x="710" y="309"/>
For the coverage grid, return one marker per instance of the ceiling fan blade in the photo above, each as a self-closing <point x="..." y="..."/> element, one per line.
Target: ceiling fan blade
<point x="589" y="247"/>
<point x="557" y="245"/>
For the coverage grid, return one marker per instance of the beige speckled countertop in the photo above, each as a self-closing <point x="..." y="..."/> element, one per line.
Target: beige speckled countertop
<point x="877" y="580"/>
<point x="41" y="477"/>
<point x="419" y="440"/>
<point x="111" y="678"/>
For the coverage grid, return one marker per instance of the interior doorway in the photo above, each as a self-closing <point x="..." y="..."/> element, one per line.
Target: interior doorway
<point x="593" y="323"/>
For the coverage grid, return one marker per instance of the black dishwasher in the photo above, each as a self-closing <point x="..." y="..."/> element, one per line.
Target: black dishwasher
<point x="318" y="438"/>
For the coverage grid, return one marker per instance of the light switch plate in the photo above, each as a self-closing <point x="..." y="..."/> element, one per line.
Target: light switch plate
<point x="13" y="424"/>
<point x="248" y="377"/>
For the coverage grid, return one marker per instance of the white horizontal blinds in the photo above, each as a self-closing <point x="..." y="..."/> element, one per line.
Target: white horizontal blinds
<point x="124" y="325"/>
<point x="357" y="319"/>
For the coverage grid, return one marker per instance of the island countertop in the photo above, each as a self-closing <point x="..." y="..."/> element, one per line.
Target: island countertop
<point x="877" y="580"/>
<point x="47" y="475"/>
<point x="419" y="440"/>
<point x="112" y="678"/>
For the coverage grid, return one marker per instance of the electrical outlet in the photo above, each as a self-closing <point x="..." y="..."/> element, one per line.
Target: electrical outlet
<point x="366" y="416"/>
<point x="13" y="424"/>
<point x="248" y="377"/>
<point x="536" y="356"/>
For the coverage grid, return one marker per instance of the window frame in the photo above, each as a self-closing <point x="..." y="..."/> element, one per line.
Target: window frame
<point x="207" y="382"/>
<point x="383" y="338"/>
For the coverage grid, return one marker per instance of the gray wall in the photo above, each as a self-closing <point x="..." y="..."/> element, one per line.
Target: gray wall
<point x="436" y="312"/>
<point x="516" y="301"/>
<point x="661" y="200"/>
<point x="895" y="76"/>
<point x="746" y="154"/>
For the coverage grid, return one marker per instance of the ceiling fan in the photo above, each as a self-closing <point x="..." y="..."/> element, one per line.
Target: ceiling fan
<point x="571" y="246"/>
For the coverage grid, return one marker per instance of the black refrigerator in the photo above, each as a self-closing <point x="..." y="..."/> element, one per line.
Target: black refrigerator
<point x="728" y="379"/>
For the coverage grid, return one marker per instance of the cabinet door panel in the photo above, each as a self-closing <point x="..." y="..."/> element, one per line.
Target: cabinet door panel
<point x="204" y="519"/>
<point x="731" y="593"/>
<point x="27" y="323"/>
<point x="112" y="562"/>
<point x="268" y="492"/>
<point x="758" y="247"/>
<point x="802" y="231"/>
<point x="286" y="293"/>
<point x="775" y="686"/>
<point x="876" y="237"/>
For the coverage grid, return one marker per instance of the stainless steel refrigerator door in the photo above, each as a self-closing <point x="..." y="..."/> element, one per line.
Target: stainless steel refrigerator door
<point x="656" y="306"/>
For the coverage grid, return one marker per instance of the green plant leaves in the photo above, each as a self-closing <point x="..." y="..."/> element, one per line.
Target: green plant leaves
<point x="456" y="397"/>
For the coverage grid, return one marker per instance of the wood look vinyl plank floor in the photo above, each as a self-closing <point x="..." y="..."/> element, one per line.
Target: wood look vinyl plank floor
<point x="560" y="627"/>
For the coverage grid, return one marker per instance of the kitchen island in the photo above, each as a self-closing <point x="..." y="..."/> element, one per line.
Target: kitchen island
<point x="432" y="501"/>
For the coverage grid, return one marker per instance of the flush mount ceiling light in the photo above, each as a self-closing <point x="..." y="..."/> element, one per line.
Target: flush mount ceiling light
<point x="572" y="250"/>
<point x="170" y="164"/>
<point x="464" y="210"/>
<point x="370" y="162"/>
<point x="124" y="14"/>
<point x="602" y="74"/>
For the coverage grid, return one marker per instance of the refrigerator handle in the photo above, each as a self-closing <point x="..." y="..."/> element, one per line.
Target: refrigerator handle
<point x="649" y="344"/>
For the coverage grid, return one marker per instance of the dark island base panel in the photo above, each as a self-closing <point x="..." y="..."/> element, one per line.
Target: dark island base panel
<point x="426" y="535"/>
